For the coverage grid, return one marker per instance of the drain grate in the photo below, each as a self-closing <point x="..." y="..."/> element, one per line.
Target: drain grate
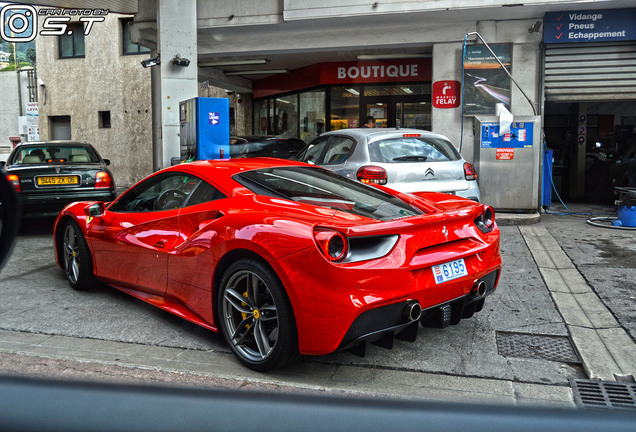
<point x="604" y="394"/>
<point x="547" y="347"/>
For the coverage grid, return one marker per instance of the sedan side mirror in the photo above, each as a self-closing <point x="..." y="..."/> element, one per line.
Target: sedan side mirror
<point x="107" y="161"/>
<point x="95" y="210"/>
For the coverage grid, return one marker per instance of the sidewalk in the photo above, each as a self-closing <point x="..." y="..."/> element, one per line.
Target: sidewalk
<point x="606" y="347"/>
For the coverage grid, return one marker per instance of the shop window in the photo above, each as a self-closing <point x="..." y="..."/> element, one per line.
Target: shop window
<point x="345" y="111"/>
<point x="71" y="44"/>
<point x="104" y="119"/>
<point x="312" y="115"/>
<point x="261" y="119"/>
<point x="130" y="48"/>
<point x="397" y="90"/>
<point x="286" y="116"/>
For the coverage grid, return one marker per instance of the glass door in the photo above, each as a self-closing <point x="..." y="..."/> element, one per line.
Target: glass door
<point x="382" y="111"/>
<point x="399" y="105"/>
<point x="416" y="115"/>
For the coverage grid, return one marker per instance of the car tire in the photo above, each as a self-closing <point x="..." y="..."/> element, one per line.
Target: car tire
<point x="76" y="257"/>
<point x="256" y="317"/>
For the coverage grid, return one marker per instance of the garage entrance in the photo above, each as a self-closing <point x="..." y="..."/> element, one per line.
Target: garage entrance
<point x="590" y="116"/>
<point x="589" y="140"/>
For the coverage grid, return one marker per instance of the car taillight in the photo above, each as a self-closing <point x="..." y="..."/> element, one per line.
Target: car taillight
<point x="333" y="244"/>
<point x="372" y="174"/>
<point x="469" y="171"/>
<point x="489" y="217"/>
<point x="486" y="221"/>
<point x="103" y="180"/>
<point x="15" y="181"/>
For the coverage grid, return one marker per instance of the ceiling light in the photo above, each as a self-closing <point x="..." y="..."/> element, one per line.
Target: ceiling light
<point x="353" y="91"/>
<point x="407" y="90"/>
<point x="258" y="72"/>
<point x="233" y="63"/>
<point x="392" y="56"/>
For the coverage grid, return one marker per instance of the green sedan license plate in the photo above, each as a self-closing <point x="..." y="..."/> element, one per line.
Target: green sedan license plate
<point x="57" y="180"/>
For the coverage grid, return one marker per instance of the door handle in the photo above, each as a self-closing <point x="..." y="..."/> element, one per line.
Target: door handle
<point x="160" y="243"/>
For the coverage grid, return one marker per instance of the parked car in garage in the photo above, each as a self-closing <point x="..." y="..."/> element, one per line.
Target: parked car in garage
<point x="265" y="146"/>
<point x="49" y="175"/>
<point x="407" y="160"/>
<point x="623" y="166"/>
<point x="285" y="258"/>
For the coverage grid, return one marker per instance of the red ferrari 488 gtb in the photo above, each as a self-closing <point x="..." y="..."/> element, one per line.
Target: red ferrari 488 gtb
<point x="285" y="258"/>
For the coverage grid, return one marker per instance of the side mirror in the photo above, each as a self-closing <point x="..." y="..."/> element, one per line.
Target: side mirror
<point x="2" y="164"/>
<point x="107" y="161"/>
<point x="95" y="210"/>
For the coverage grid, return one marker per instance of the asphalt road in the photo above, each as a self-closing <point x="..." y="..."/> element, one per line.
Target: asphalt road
<point x="48" y="329"/>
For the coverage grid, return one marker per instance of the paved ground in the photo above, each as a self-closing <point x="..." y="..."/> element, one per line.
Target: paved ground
<point x="48" y="329"/>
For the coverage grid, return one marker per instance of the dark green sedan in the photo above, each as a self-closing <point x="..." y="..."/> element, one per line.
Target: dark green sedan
<point x="49" y="175"/>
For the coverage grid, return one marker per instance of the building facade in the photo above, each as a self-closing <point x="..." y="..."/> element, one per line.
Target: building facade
<point x="301" y="67"/>
<point x="92" y="88"/>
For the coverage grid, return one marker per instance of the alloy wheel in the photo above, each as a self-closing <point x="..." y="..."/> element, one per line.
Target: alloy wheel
<point x="250" y="315"/>
<point x="71" y="254"/>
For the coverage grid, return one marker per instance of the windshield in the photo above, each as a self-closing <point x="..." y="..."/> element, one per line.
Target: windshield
<point x="326" y="189"/>
<point x="412" y="149"/>
<point x="46" y="153"/>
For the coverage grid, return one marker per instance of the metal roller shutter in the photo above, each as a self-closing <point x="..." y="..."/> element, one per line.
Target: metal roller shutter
<point x="590" y="72"/>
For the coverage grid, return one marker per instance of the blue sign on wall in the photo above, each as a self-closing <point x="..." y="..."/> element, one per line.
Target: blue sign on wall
<point x="520" y="135"/>
<point x="213" y="124"/>
<point x="590" y="26"/>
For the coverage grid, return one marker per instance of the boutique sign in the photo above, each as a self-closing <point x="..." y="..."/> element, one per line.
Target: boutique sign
<point x="376" y="72"/>
<point x="345" y="73"/>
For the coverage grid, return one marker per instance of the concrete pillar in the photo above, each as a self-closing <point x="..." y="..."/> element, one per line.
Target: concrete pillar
<point x="447" y="65"/>
<point x="176" y="36"/>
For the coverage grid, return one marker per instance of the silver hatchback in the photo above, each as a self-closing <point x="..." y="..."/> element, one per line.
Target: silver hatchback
<point x="407" y="160"/>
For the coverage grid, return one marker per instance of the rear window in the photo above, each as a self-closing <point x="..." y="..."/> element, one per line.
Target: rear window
<point x="412" y="149"/>
<point x="324" y="188"/>
<point x="54" y="154"/>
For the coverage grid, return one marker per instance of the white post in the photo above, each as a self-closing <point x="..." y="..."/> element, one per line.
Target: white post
<point x="176" y="37"/>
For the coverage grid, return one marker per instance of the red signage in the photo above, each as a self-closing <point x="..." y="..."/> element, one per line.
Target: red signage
<point x="505" y="153"/>
<point x="375" y="71"/>
<point x="446" y="94"/>
<point x="361" y="72"/>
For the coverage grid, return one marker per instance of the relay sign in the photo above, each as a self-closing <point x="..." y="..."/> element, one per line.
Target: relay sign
<point x="520" y="135"/>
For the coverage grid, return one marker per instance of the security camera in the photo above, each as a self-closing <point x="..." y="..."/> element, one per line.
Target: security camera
<point x="535" y="28"/>
<point x="154" y="61"/>
<point x="239" y="99"/>
<point x="181" y="61"/>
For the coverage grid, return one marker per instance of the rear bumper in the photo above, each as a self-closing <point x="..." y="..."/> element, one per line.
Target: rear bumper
<point x="465" y="189"/>
<point x="339" y="307"/>
<point x="384" y="324"/>
<point x="50" y="204"/>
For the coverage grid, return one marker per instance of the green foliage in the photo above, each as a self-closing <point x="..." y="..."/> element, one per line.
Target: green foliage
<point x="11" y="67"/>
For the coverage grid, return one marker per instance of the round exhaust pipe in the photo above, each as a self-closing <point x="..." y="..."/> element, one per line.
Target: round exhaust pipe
<point x="479" y="289"/>
<point x="412" y="311"/>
